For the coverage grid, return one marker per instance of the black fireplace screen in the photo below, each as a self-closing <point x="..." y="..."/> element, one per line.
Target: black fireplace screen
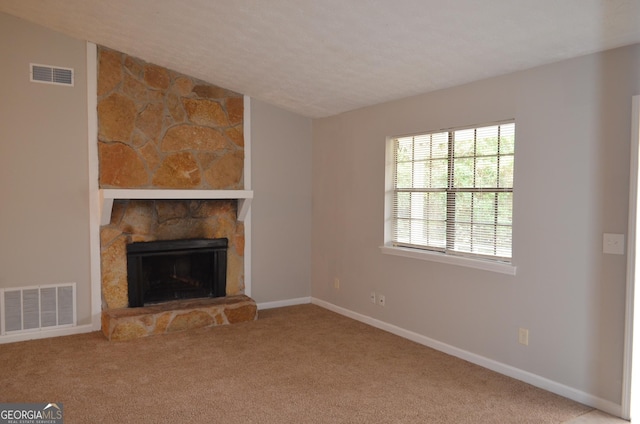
<point x="161" y="271"/>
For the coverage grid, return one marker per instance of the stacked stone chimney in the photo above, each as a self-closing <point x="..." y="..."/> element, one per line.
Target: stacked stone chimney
<point x="158" y="129"/>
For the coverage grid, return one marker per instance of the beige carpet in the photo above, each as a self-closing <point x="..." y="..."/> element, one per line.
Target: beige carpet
<point x="300" y="364"/>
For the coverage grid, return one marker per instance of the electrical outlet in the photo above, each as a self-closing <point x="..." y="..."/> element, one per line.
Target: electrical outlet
<point x="372" y="297"/>
<point x="523" y="336"/>
<point x="613" y="244"/>
<point x="336" y="283"/>
<point x="381" y="299"/>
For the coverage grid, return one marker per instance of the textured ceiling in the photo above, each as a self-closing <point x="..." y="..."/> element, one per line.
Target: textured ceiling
<point x="323" y="57"/>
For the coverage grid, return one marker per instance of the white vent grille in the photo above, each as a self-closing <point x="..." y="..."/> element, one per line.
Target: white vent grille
<point x="51" y="75"/>
<point x="37" y="308"/>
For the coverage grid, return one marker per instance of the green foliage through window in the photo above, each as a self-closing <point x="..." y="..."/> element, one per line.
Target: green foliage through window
<point x="453" y="191"/>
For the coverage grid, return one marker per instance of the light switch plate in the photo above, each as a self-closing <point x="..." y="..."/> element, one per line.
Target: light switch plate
<point x="613" y="244"/>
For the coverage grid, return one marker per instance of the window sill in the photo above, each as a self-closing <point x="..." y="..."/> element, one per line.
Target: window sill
<point x="426" y="255"/>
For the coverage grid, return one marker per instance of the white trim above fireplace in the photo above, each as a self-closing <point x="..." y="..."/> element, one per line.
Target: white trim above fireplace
<point x="107" y="196"/>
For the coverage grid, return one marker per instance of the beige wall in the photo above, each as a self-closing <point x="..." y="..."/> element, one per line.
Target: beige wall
<point x="281" y="208"/>
<point x="44" y="213"/>
<point x="571" y="185"/>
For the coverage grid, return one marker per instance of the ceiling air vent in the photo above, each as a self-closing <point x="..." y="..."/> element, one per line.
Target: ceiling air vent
<point x="51" y="75"/>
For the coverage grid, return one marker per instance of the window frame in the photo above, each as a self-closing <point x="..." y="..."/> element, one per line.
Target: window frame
<point x="488" y="263"/>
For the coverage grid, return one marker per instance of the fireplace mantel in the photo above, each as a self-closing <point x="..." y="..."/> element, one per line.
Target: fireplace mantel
<point x="107" y="196"/>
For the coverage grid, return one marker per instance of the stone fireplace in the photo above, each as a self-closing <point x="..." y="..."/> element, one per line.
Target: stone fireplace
<point x="162" y="131"/>
<point x="152" y="220"/>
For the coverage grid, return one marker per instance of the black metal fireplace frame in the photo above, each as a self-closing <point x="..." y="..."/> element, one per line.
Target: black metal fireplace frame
<point x="138" y="251"/>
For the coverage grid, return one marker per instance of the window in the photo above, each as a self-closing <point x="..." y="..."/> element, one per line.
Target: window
<point x="453" y="191"/>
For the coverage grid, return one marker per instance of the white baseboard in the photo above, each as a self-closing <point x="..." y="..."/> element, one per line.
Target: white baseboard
<point x="533" y="379"/>
<point x="44" y="334"/>
<point x="282" y="303"/>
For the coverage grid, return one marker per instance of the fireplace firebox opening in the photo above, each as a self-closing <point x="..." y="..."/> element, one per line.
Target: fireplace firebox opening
<point x="161" y="271"/>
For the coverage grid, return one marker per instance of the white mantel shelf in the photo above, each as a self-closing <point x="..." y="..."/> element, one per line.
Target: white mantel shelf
<point x="107" y="196"/>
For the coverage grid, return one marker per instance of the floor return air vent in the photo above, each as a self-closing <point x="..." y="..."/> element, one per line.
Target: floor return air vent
<point x="37" y="308"/>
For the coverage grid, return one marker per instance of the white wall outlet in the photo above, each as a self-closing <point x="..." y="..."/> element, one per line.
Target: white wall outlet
<point x="372" y="297"/>
<point x="523" y="336"/>
<point x="381" y="299"/>
<point x="613" y="244"/>
<point x="336" y="283"/>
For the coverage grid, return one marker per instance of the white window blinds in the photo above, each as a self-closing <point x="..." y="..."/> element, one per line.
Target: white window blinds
<point x="453" y="191"/>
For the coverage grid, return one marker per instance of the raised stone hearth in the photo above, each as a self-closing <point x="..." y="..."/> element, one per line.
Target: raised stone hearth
<point x="170" y="317"/>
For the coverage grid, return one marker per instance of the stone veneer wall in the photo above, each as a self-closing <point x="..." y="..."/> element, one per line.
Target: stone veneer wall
<point x="161" y="129"/>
